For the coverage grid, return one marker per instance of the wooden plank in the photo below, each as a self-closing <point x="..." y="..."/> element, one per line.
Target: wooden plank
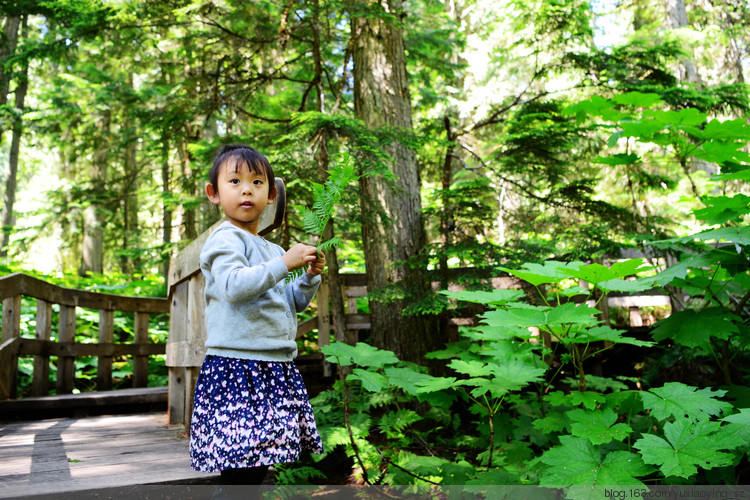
<point x="65" y="364"/>
<point x="175" y="363"/>
<point x="40" y="377"/>
<point x="8" y="353"/>
<point x="21" y="284"/>
<point x="87" y="399"/>
<point x="140" y="363"/>
<point x="639" y="301"/>
<point x="29" y="347"/>
<point x="176" y="399"/>
<point x="106" y="336"/>
<point x="324" y="314"/>
<point x="357" y="321"/>
<point x="196" y="310"/>
<point x="64" y="456"/>
<point x="11" y="330"/>
<point x="305" y="327"/>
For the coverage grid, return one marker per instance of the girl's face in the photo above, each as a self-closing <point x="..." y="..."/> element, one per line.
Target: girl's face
<point x="243" y="195"/>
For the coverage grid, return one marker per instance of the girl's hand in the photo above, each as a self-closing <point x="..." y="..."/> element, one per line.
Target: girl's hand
<point x="316" y="267"/>
<point x="299" y="255"/>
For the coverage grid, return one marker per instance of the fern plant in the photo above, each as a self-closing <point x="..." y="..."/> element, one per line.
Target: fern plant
<point x="326" y="197"/>
<point x="315" y="219"/>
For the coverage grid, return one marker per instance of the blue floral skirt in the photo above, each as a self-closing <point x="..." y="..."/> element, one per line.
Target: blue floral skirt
<point x="250" y="413"/>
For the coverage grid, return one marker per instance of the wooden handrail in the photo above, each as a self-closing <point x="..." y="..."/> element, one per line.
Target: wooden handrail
<point x="17" y="285"/>
<point x="22" y="284"/>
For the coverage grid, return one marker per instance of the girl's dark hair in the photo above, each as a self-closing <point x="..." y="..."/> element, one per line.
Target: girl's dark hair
<point x="241" y="155"/>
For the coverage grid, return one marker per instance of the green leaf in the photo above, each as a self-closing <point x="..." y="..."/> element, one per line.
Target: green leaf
<point x="604" y="333"/>
<point x="737" y="431"/>
<point x="497" y="379"/>
<point x="361" y="354"/>
<point x="497" y="297"/>
<point x="598" y="426"/>
<point x="597" y="273"/>
<point x="678" y="400"/>
<point x="687" y="446"/>
<point x="694" y="328"/>
<point x="618" y="159"/>
<point x="577" y="461"/>
<point x="410" y="380"/>
<point x="722" y="209"/>
<point x="371" y="381"/>
<point x="620" y="285"/>
<point x="738" y="234"/>
<point x="569" y="312"/>
<point x="589" y="399"/>
<point x="554" y="422"/>
<point x="549" y="272"/>
<point x="639" y="99"/>
<point x="393" y="423"/>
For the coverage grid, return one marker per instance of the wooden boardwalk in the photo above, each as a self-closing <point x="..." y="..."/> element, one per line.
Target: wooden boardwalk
<point x="75" y="454"/>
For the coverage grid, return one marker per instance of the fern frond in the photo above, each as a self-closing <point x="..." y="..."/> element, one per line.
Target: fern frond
<point x="327" y="245"/>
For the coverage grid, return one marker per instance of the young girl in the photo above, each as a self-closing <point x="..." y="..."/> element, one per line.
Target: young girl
<point x="251" y="406"/>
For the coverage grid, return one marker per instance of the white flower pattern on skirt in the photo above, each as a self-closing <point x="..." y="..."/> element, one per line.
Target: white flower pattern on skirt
<point x="250" y="413"/>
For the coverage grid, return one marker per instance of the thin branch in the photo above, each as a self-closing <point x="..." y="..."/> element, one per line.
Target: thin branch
<point x="263" y="118"/>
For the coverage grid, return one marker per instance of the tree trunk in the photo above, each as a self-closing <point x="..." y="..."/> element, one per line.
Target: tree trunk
<point x="9" y="198"/>
<point x="392" y="229"/>
<point x="677" y="18"/>
<point x="93" y="216"/>
<point x="7" y="48"/>
<point x="166" y="215"/>
<point x="338" y="312"/>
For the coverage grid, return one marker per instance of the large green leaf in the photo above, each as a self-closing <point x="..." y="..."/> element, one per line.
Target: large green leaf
<point x="577" y="461"/>
<point x="737" y="431"/>
<point x="495" y="297"/>
<point x="414" y="382"/>
<point x="678" y="400"/>
<point x="599" y="426"/>
<point x="361" y="354"/>
<point x="687" y="446"/>
<point x="597" y="273"/>
<point x="734" y="234"/>
<point x="722" y="209"/>
<point x="604" y="333"/>
<point x="694" y="328"/>
<point x="550" y="271"/>
<point x="371" y="381"/>
<point x="589" y="399"/>
<point x="497" y="379"/>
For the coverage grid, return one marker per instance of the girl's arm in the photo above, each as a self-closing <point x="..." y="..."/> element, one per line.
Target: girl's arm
<point x="235" y="277"/>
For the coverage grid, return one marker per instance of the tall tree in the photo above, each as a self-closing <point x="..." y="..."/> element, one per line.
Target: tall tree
<point x="392" y="230"/>
<point x="9" y="198"/>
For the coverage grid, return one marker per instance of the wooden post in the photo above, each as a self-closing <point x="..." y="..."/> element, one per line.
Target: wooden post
<point x="40" y="380"/>
<point x="66" y="371"/>
<point x="177" y="335"/>
<point x="191" y="377"/>
<point x="106" y="336"/>
<point x="11" y="330"/>
<point x="140" y="363"/>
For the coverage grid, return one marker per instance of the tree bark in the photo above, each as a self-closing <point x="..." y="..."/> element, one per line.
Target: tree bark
<point x="677" y="18"/>
<point x="9" y="197"/>
<point x="392" y="230"/>
<point x="338" y="312"/>
<point x="93" y="216"/>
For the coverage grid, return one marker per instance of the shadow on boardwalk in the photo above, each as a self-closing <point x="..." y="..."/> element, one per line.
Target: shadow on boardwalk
<point x="67" y="455"/>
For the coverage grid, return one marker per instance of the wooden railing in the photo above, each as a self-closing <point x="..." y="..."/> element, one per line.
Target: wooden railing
<point x="14" y="287"/>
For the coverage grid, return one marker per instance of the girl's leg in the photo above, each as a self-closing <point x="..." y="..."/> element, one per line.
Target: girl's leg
<point x="247" y="475"/>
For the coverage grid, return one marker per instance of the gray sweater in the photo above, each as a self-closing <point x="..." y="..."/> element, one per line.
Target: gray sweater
<point x="247" y="314"/>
